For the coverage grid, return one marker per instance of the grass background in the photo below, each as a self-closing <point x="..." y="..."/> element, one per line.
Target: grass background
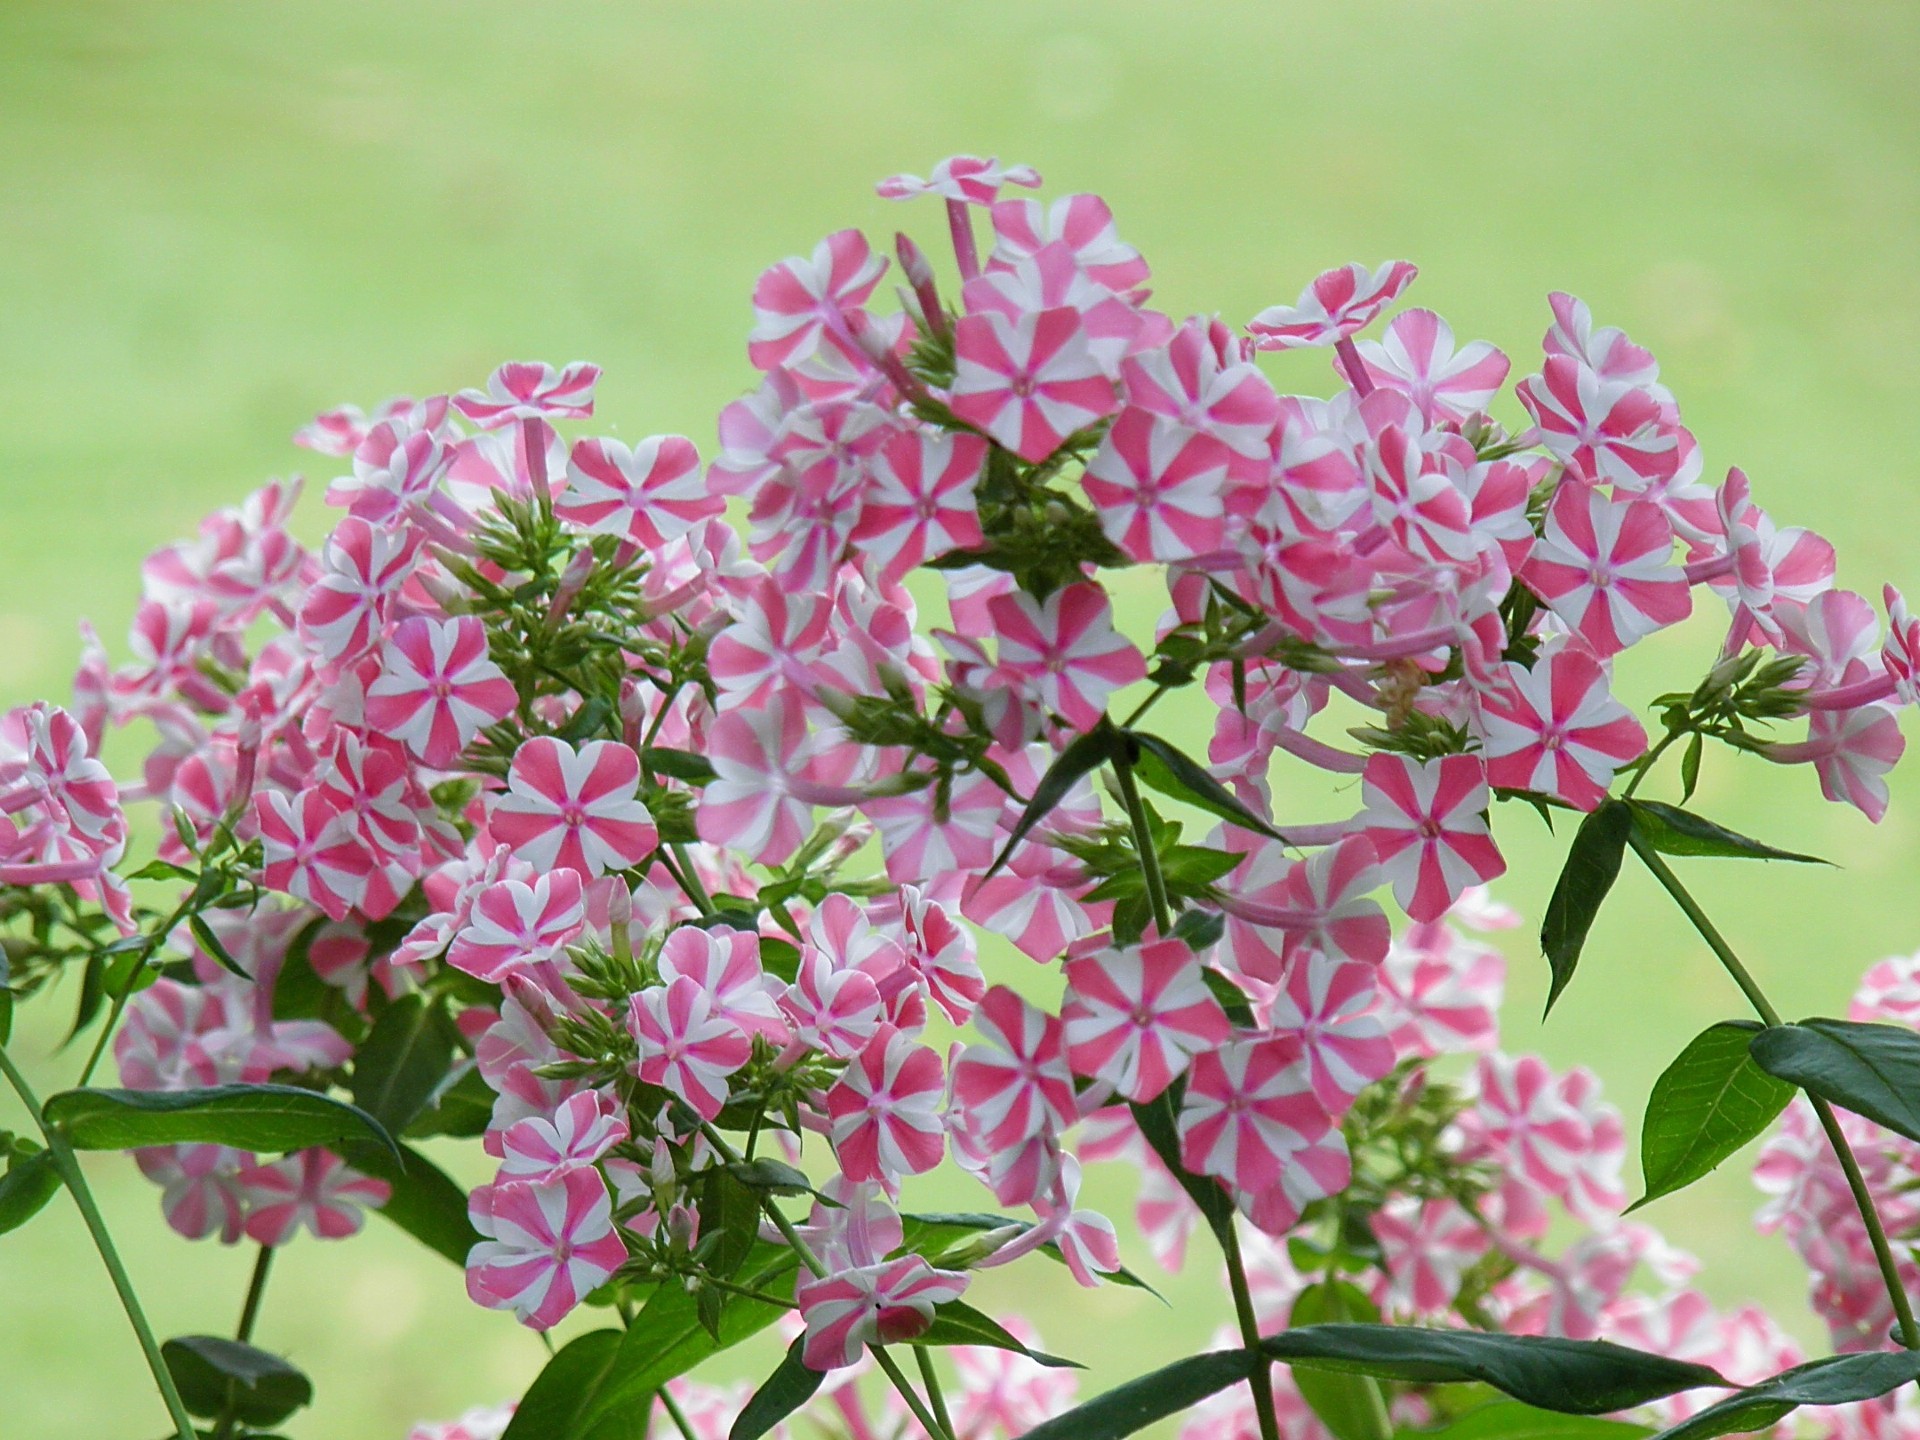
<point x="216" y="219"/>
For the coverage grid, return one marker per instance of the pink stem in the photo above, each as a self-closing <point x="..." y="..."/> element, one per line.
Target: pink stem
<point x="965" y="255"/>
<point x="1850" y="696"/>
<point x="1354" y="366"/>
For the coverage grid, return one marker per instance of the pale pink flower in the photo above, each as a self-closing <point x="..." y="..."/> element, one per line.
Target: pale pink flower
<point x="1136" y="1017"/>
<point x="438" y="688"/>
<point x="546" y="1245"/>
<point x="574" y="807"/>
<point x="314" y="1190"/>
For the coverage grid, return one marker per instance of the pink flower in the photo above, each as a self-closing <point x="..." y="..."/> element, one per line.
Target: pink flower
<point x="548" y="1244"/>
<point x="1534" y="1132"/>
<point x="364" y="567"/>
<point x="1248" y="1108"/>
<point x="686" y="1048"/>
<point x="515" y="924"/>
<point x="1428" y="1247"/>
<point x="836" y="1012"/>
<point x="1558" y="730"/>
<point x="1441" y="994"/>
<point x="1159" y="488"/>
<point x="949" y="826"/>
<point x="1028" y="382"/>
<point x="1135" y="1017"/>
<point x="885" y="1110"/>
<point x="650" y="494"/>
<point x="437" y="687"/>
<point x="1427" y="821"/>
<point x="1602" y="430"/>
<point x="575" y="808"/>
<point x="1328" y="1005"/>
<point x="202" y="1191"/>
<point x="725" y="964"/>
<point x="919" y="502"/>
<point x="310" y="850"/>
<point x="879" y="1304"/>
<point x="796" y="302"/>
<point x="1417" y="358"/>
<point x="1202" y="380"/>
<point x="1081" y="225"/>
<point x="767" y="781"/>
<point x="1067" y="650"/>
<point x="1605" y="566"/>
<point x="967" y="179"/>
<point x="314" y="1189"/>
<point x="1016" y="1086"/>
<point x="531" y="389"/>
<point x="584" y="1128"/>
<point x="1334" y="306"/>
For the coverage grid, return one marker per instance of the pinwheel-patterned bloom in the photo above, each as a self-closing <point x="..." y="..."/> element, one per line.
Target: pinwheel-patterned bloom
<point x="1529" y="1123"/>
<point x="835" y="1011"/>
<point x="1329" y="1005"/>
<point x="881" y="1304"/>
<point x="1601" y="430"/>
<point x="1067" y="649"/>
<point x="547" y="1244"/>
<point x="1016" y="1086"/>
<point x="1029" y="382"/>
<point x="1605" y="566"/>
<point x="310" y="850"/>
<point x="574" y="808"/>
<point x="1159" y="488"/>
<point x="1334" y="306"/>
<point x="885" y="1110"/>
<point x="1427" y="821"/>
<point x="1557" y="729"/>
<point x="313" y="1189"/>
<point x="517" y="923"/>
<point x="796" y="301"/>
<point x="919" y="501"/>
<point x="1428" y="1247"/>
<point x="1249" y="1108"/>
<point x="968" y="179"/>
<point x="364" y="567"/>
<point x="1081" y="225"/>
<point x="529" y="389"/>
<point x="437" y="687"/>
<point x="1417" y="358"/>
<point x="583" y="1129"/>
<point x="649" y="494"/>
<point x="1202" y="380"/>
<point x="686" y="1048"/>
<point x="725" y="964"/>
<point x="1135" y="1017"/>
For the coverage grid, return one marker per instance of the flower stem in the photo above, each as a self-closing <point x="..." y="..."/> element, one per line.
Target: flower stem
<point x="68" y="1164"/>
<point x="256" y="1290"/>
<point x="676" y="1414"/>
<point x="1829" y="1122"/>
<point x="891" y="1368"/>
<point x="931" y="1379"/>
<point x="1261" y="1380"/>
<point x="1144" y="846"/>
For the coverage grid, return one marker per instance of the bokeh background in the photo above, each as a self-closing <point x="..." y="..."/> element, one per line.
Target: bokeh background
<point x="216" y="219"/>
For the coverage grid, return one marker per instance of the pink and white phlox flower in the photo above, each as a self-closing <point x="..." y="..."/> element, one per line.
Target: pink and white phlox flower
<point x="686" y="1048"/>
<point x="574" y="807"/>
<point x="1427" y="821"/>
<point x="885" y="1110"/>
<point x="1136" y="1017"/>
<point x="531" y="389"/>
<point x="314" y="1190"/>
<point x="1335" y="305"/>
<point x="546" y="1245"/>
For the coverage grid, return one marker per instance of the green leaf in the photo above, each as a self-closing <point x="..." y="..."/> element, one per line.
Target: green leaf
<point x="461" y="1106"/>
<point x="1159" y="1124"/>
<point x="729" y="1231"/>
<point x="1872" y="1070"/>
<point x="1231" y="997"/>
<point x="572" y="1383"/>
<point x="424" y="1202"/>
<point x="957" y="1323"/>
<point x="30" y="1182"/>
<point x="1836" y="1380"/>
<point x="1201" y="929"/>
<point x="213" y="1375"/>
<point x="1173" y="773"/>
<point x="210" y="942"/>
<point x="1510" y="1420"/>
<point x="771" y="1177"/>
<point x="947" y="1241"/>
<point x="780" y="958"/>
<point x="1673" y="831"/>
<point x="1579" y="1377"/>
<point x="402" y="1061"/>
<point x="785" y="1391"/>
<point x="1139" y="1403"/>
<point x="269" y="1118"/>
<point x="1690" y="766"/>
<point x="1086" y="754"/>
<point x="677" y="764"/>
<point x="1708" y="1103"/>
<point x="1593" y="864"/>
<point x="1349" y="1405"/>
<point x="6" y="1015"/>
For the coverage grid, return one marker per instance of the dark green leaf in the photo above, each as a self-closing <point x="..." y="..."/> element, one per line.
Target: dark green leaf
<point x="677" y="764"/>
<point x="1579" y="1377"/>
<point x="1708" y="1103"/>
<point x="214" y="1375"/>
<point x="1139" y="1403"/>
<point x="729" y="1231"/>
<point x="1593" y="864"/>
<point x="248" y="1117"/>
<point x="403" y="1060"/>
<point x="1690" y="766"/>
<point x="1510" y="1420"/>
<point x="1167" y="770"/>
<point x="1201" y="929"/>
<point x="425" y="1202"/>
<point x="210" y="942"/>
<point x="1872" y="1070"/>
<point x="461" y="1106"/>
<point x="772" y="1177"/>
<point x="1159" y="1125"/>
<point x="92" y="994"/>
<point x="957" y="1323"/>
<point x="1086" y="754"/>
<point x="1351" y="1406"/>
<point x="785" y="1391"/>
<point x="1836" y="1380"/>
<point x="6" y="1015"/>
<point x="30" y="1182"/>
<point x="780" y="958"/>
<point x="1232" y="998"/>
<point x="1673" y="831"/>
<point x="573" y="1382"/>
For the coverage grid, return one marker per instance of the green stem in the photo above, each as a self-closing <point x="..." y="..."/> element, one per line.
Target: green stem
<point x="1144" y="846"/>
<point x="68" y="1165"/>
<point x="891" y="1368"/>
<point x="1261" y="1381"/>
<point x="930" y="1378"/>
<point x="256" y="1290"/>
<point x="676" y="1414"/>
<point x="1646" y="764"/>
<point x="1829" y="1122"/>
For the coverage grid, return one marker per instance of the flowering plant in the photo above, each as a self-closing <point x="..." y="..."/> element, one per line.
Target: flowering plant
<point x="540" y="806"/>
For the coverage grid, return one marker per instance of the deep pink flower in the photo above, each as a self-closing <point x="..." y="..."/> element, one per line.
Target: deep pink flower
<point x="885" y="1110"/>
<point x="1081" y="225"/>
<point x="1329" y="1005"/>
<point x="725" y="964"/>
<point x="1031" y="382"/>
<point x="576" y="808"/>
<point x="584" y="1128"/>
<point x="1557" y="729"/>
<point x="438" y="688"/>
<point x="1017" y="1085"/>
<point x="363" y="568"/>
<point x="1135" y="1017"/>
<point x="1605" y="566"/>
<point x="1416" y="357"/>
<point x="310" y="850"/>
<point x="547" y="1245"/>
<point x="919" y="502"/>
<point x="515" y="924"/>
<point x="968" y="179"/>
<point x="1601" y="430"/>
<point x="1427" y="821"/>
<point x="1248" y="1108"/>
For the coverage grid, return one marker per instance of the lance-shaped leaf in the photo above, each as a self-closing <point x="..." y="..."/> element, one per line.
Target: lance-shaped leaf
<point x="1593" y="864"/>
<point x="677" y="764"/>
<point x="423" y="1201"/>
<point x="1673" y="831"/>
<point x="1351" y="1406"/>
<point x="1086" y="754"/>
<point x="1579" y="1377"/>
<point x="208" y="941"/>
<point x="1139" y="1403"/>
<point x="1708" y="1103"/>
<point x="30" y="1182"/>
<point x="1836" y="1380"/>
<point x="1872" y="1070"/>
<point x="783" y="1392"/>
<point x="1158" y="1120"/>
<point x="268" y="1118"/>
<point x="215" y="1375"/>
<point x="957" y="1323"/>
<point x="402" y="1061"/>
<point x="1176" y="774"/>
<point x="572" y="1382"/>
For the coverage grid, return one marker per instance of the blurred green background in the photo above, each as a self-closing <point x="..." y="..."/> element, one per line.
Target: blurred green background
<point x="216" y="219"/>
